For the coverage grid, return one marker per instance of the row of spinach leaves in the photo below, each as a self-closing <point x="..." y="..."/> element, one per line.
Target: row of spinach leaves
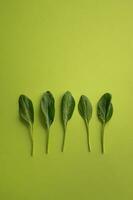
<point x="47" y="107"/>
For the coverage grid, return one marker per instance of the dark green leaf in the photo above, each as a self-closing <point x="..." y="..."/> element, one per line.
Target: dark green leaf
<point x="26" y="112"/>
<point x="105" y="108"/>
<point x="67" y="109"/>
<point x="104" y="113"/>
<point x="48" y="110"/>
<point x="85" y="110"/>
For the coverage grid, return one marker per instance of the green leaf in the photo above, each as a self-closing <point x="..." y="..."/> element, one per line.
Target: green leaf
<point x="48" y="111"/>
<point x="104" y="113"/>
<point x="105" y="108"/>
<point x="26" y="112"/>
<point x="67" y="109"/>
<point x="85" y="110"/>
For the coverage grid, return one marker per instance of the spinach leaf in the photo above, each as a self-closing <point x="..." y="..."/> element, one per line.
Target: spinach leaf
<point x="104" y="113"/>
<point x="85" y="110"/>
<point x="48" y="111"/>
<point x="67" y="109"/>
<point x="26" y="112"/>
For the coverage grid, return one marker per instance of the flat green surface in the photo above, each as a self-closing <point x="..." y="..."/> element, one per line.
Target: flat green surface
<point x="82" y="46"/>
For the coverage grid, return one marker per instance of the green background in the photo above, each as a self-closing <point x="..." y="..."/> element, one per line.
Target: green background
<point x="82" y="46"/>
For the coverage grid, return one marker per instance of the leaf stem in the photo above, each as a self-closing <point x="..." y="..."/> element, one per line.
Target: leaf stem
<point x="64" y="138"/>
<point x="88" y="139"/>
<point x="102" y="138"/>
<point x="32" y="141"/>
<point x="47" y="144"/>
